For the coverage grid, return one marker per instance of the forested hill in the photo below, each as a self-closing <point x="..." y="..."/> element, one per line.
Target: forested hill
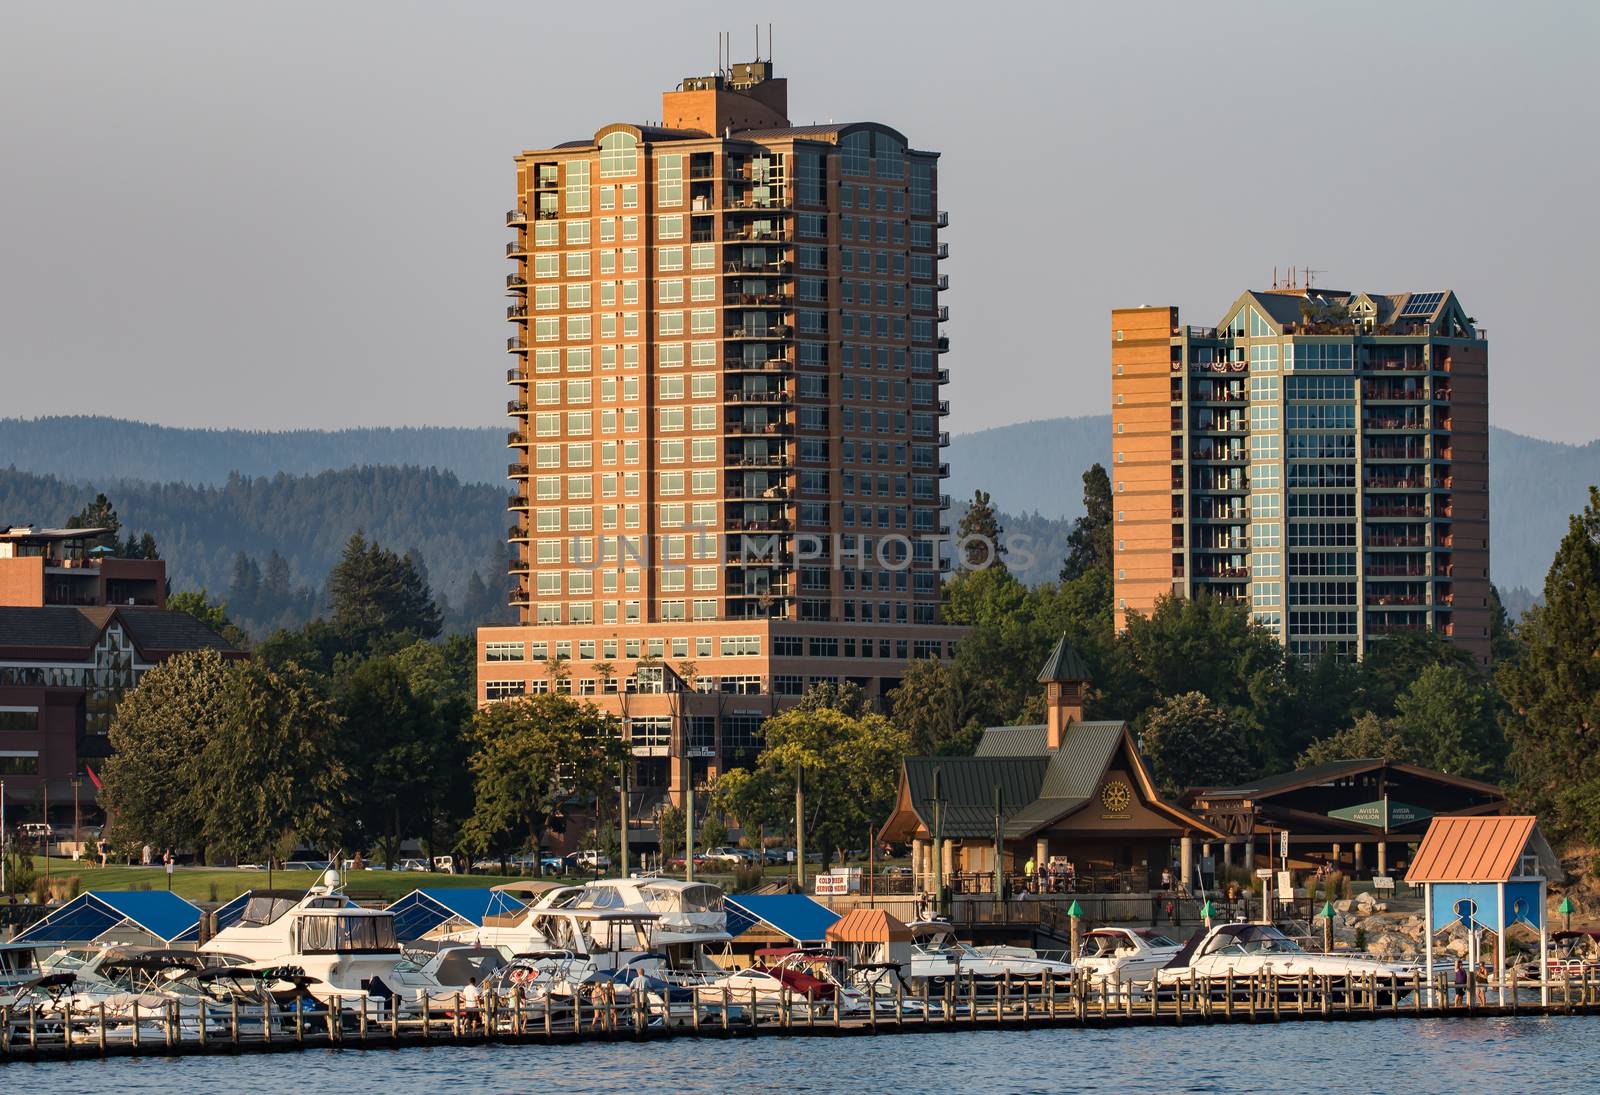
<point x="457" y="528"/>
<point x="85" y="449"/>
<point x="1033" y="469"/>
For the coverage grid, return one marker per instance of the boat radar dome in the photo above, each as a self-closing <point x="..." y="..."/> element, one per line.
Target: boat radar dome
<point x="330" y="880"/>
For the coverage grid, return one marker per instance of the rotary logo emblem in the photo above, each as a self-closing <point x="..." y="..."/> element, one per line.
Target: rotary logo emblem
<point x="1116" y="797"/>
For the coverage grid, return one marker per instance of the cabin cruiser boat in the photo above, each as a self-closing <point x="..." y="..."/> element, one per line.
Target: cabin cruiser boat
<point x="1243" y="950"/>
<point x="347" y="950"/>
<point x="19" y="964"/>
<point x="1125" y="956"/>
<point x="806" y="979"/>
<point x="938" y="956"/>
<point x="436" y="974"/>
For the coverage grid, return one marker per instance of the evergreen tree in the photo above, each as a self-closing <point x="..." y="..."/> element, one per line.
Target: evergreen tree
<point x="1449" y="717"/>
<point x="1089" y="542"/>
<point x="940" y="708"/>
<point x="244" y="587"/>
<point x="99" y="513"/>
<point x="378" y="596"/>
<point x="1553" y="688"/>
<point x="981" y="525"/>
<point x="276" y="588"/>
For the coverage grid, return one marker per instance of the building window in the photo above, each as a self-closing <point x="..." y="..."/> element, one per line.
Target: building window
<point x="500" y="690"/>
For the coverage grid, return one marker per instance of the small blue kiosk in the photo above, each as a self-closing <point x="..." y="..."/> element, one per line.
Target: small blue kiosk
<point x="1484" y="872"/>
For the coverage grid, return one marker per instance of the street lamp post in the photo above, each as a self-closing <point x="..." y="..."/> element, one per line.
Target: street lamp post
<point x="77" y="813"/>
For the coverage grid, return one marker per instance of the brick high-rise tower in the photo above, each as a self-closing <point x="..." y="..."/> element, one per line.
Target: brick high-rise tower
<point x="727" y="442"/>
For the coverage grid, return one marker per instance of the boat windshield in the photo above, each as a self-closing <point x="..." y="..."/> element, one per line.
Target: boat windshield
<point x="347" y="934"/>
<point x="1257" y="939"/>
<point x="687" y="899"/>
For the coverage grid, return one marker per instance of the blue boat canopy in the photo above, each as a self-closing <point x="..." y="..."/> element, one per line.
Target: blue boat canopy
<point x="792" y="914"/>
<point x="421" y="911"/>
<point x="164" y="915"/>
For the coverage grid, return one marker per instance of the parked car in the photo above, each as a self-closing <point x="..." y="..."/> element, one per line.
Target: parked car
<point x="590" y="860"/>
<point x="734" y="857"/>
<point x="777" y="856"/>
<point x="676" y="862"/>
<point x="550" y="863"/>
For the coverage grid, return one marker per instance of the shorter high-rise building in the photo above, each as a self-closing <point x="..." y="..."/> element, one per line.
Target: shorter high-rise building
<point x="1320" y="455"/>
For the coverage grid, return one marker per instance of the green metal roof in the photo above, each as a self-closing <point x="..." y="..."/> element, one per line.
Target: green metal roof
<point x="1012" y="741"/>
<point x="967" y="790"/>
<point x="1064" y="664"/>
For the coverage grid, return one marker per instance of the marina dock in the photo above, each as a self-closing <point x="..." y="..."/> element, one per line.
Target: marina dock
<point x="178" y="1030"/>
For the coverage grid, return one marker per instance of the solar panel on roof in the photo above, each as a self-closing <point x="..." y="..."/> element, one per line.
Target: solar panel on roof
<point x="1421" y="304"/>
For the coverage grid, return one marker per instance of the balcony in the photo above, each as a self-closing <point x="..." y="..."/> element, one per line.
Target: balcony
<point x="942" y="376"/>
<point x="516" y="440"/>
<point x="944" y="438"/>
<point x="1397" y="570"/>
<point x="516" y="406"/>
<point x="1417" y="511"/>
<point x="942" y="344"/>
<point x="769" y="365"/>
<point x="517" y="471"/>
<point x="943" y="313"/>
<point x="942" y="220"/>
<point x="750" y="204"/>
<point x="756" y="397"/>
<point x="517" y="248"/>
<point x="758" y="300"/>
<point x="942" y="283"/>
<point x="768" y="267"/>
<point x="751" y="233"/>
<point x="516" y="533"/>
<point x="773" y="492"/>
<point x="944" y="407"/>
<point x="516" y="218"/>
<point x="1219" y="573"/>
<point x="944" y="471"/>
<point x="517" y="344"/>
<point x="547" y="213"/>
<point x="763" y="460"/>
<point x="515" y="376"/>
<point x="517" y="566"/>
<point x="739" y="428"/>
<point x="516" y="501"/>
<point x="516" y="283"/>
<point x="759" y="524"/>
<point x="517" y="311"/>
<point x="942" y="251"/>
<point x="777" y="331"/>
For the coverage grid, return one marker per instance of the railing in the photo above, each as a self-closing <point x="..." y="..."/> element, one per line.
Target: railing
<point x="942" y="282"/>
<point x="769" y="365"/>
<point x="516" y="248"/>
<point x="515" y="439"/>
<point x="770" y="460"/>
<point x="516" y="311"/>
<point x="737" y="396"/>
<point x="516" y="471"/>
<point x="758" y="428"/>
<point x="776" y="331"/>
<point x="516" y="407"/>
<point x="759" y="300"/>
<point x="517" y="344"/>
<point x="515" y="217"/>
<point x="516" y="282"/>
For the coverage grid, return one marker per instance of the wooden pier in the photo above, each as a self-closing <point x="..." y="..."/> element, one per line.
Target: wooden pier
<point x="177" y="1030"/>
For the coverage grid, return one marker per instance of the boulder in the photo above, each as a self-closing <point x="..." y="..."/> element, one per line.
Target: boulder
<point x="1342" y="905"/>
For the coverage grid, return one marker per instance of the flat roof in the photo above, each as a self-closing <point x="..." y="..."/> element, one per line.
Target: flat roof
<point x="29" y="534"/>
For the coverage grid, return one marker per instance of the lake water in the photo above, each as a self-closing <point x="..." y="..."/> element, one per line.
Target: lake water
<point x="1548" y="1055"/>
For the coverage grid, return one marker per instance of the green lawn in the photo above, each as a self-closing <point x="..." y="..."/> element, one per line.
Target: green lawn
<point x="226" y="883"/>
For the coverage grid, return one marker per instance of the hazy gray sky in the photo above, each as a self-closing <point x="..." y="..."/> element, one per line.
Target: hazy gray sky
<point x="291" y="214"/>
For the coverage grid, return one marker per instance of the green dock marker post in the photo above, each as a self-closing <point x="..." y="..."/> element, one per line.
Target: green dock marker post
<point x="1075" y="914"/>
<point x="1327" y="927"/>
<point x="1207" y="911"/>
<point x="1565" y="909"/>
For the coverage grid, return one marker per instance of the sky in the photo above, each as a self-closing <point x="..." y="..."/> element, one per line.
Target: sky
<point x="292" y="215"/>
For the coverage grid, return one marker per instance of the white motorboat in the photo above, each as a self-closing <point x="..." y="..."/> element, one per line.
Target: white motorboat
<point x="1244" y="950"/>
<point x="802" y="979"/>
<point x="938" y="956"/>
<point x="19" y="964"/>
<point x="1125" y="956"/>
<point x="320" y="933"/>
<point x="435" y="976"/>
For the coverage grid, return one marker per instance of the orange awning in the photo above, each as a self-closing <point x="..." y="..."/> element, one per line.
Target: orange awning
<point x="868" y="926"/>
<point x="1471" y="849"/>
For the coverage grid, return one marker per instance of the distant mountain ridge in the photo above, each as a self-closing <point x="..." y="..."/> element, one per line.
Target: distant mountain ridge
<point x="1033" y="469"/>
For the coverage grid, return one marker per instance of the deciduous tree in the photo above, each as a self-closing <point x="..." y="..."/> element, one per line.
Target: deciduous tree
<point x="1193" y="742"/>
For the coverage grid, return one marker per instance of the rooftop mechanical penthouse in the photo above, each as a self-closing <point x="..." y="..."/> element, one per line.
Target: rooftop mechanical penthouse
<point x="726" y="447"/>
<point x="1321" y="455"/>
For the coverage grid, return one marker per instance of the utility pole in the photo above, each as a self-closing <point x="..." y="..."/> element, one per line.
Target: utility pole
<point x="688" y="819"/>
<point x="800" y="825"/>
<point x="622" y="815"/>
<point x="938" y="841"/>
<point x="999" y="851"/>
<point x="3" y="843"/>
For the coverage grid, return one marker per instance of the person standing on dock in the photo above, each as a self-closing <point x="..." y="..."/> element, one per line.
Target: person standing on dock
<point x="1461" y="984"/>
<point x="469" y="1001"/>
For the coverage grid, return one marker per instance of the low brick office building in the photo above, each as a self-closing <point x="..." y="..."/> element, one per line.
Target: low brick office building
<point x="78" y="628"/>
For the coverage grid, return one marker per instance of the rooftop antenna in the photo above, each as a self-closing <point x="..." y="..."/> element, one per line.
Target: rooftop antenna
<point x="1311" y="276"/>
<point x="719" y="53"/>
<point x="1274" y="277"/>
<point x="758" y="42"/>
<point x="769" y="43"/>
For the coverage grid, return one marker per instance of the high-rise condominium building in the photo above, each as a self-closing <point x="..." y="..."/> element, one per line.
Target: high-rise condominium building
<point x="726" y="447"/>
<point x="1322" y="455"/>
